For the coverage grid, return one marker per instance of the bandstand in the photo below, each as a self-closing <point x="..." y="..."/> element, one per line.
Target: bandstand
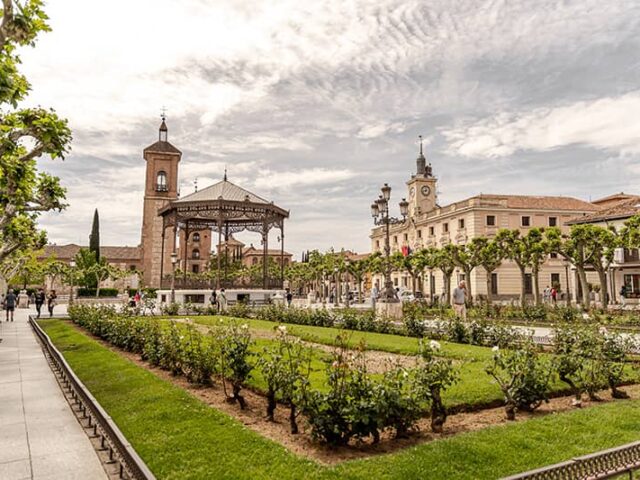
<point x="225" y="209"/>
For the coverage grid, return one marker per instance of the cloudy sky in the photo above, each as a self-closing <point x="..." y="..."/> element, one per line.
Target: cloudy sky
<point x="316" y="104"/>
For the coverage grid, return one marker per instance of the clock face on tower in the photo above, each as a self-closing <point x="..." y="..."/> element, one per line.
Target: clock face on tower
<point x="425" y="190"/>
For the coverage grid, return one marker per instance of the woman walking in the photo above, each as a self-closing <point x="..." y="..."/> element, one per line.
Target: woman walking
<point x="51" y="302"/>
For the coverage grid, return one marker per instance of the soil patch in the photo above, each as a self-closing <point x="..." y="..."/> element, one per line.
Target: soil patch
<point x="377" y="361"/>
<point x="254" y="417"/>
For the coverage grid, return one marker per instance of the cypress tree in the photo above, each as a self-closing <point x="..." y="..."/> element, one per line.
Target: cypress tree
<point x="94" y="238"/>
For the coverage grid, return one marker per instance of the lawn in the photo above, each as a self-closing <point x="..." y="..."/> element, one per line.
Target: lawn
<point x="180" y="437"/>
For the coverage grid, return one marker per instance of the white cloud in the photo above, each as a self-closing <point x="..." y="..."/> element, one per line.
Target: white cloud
<point x="312" y="176"/>
<point x="610" y="123"/>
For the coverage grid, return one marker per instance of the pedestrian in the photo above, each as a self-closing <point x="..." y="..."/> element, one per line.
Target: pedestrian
<point x="554" y="296"/>
<point x="546" y="294"/>
<point x="375" y="293"/>
<point x="459" y="300"/>
<point x="136" y="298"/>
<point x="289" y="297"/>
<point x="623" y="295"/>
<point x="51" y="302"/>
<point x="10" y="304"/>
<point x="213" y="301"/>
<point x="39" y="300"/>
<point x="222" y="301"/>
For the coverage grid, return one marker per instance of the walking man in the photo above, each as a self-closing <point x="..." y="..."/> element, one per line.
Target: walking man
<point x="51" y="302"/>
<point x="459" y="300"/>
<point x="39" y="300"/>
<point x="10" y="304"/>
<point x="222" y="301"/>
<point x="213" y="301"/>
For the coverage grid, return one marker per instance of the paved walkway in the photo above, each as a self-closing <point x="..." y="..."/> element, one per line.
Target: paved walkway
<point x="40" y="437"/>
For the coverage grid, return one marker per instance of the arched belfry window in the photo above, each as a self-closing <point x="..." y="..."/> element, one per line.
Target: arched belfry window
<point x="161" y="182"/>
<point x="195" y="254"/>
<point x="196" y="237"/>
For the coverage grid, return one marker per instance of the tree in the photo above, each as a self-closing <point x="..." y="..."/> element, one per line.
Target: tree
<point x="577" y="248"/>
<point x="516" y="250"/>
<point x="29" y="270"/>
<point x="604" y="242"/>
<point x="490" y="256"/>
<point x="442" y="258"/>
<point x="25" y="135"/>
<point x="537" y="249"/>
<point x="467" y="257"/>
<point x="94" y="238"/>
<point x="358" y="269"/>
<point x="404" y="263"/>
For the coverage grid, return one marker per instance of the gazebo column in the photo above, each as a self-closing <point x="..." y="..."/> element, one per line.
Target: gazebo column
<point x="265" y="255"/>
<point x="219" y="249"/>
<point x="281" y="254"/>
<point x="186" y="238"/>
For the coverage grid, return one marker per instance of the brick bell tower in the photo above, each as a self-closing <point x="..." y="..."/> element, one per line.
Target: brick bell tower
<point x="161" y="187"/>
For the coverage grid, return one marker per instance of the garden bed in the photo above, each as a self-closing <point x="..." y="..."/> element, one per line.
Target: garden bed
<point x="179" y="437"/>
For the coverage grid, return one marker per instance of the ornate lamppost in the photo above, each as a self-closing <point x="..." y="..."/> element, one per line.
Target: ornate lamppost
<point x="336" y="295"/>
<point x="380" y="214"/>
<point x="174" y="262"/>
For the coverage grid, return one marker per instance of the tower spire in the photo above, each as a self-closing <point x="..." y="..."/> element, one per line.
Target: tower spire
<point x="225" y="174"/>
<point x="163" y="132"/>
<point x="421" y="162"/>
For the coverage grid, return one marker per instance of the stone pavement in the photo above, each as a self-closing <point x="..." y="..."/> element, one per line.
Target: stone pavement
<point x="40" y="437"/>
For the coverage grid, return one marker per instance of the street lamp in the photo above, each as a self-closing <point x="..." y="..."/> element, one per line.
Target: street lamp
<point x="380" y="214"/>
<point x="174" y="262"/>
<point x="72" y="264"/>
<point x="566" y="264"/>
<point x="336" y="295"/>
<point x="347" y="262"/>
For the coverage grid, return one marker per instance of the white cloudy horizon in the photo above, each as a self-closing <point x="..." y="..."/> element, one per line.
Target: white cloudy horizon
<point x="316" y="104"/>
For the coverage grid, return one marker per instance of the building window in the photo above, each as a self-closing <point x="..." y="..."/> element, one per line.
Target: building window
<point x="555" y="281"/>
<point x="406" y="237"/>
<point x="195" y="237"/>
<point x="195" y="254"/>
<point x="419" y="233"/>
<point x="528" y="284"/>
<point x="491" y="220"/>
<point x="445" y="227"/>
<point x="132" y="268"/>
<point x="553" y="255"/>
<point x="432" y="231"/>
<point x="377" y="244"/>
<point x="161" y="182"/>
<point x="395" y="239"/>
<point x="526" y="221"/>
<point x="395" y="282"/>
<point x="494" y="284"/>
<point x="195" y="268"/>
<point x="461" y="224"/>
<point x="632" y="283"/>
<point x="553" y="221"/>
<point x="254" y="261"/>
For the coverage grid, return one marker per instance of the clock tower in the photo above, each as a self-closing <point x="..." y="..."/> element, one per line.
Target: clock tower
<point x="422" y="187"/>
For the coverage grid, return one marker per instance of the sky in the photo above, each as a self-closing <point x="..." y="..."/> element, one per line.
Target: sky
<point x="315" y="105"/>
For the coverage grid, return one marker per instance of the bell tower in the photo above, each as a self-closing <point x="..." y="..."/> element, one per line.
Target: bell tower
<point x="161" y="187"/>
<point x="422" y="187"/>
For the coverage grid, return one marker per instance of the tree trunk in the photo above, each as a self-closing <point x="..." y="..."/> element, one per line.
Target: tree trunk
<point x="413" y="284"/>
<point x="523" y="287"/>
<point x="447" y="288"/>
<point x="536" y="286"/>
<point x="438" y="411"/>
<point x="488" y="280"/>
<point x="582" y="275"/>
<point x="467" y="276"/>
<point x="271" y="404"/>
<point x="292" y="419"/>
<point x="604" y="289"/>
<point x="360" y="291"/>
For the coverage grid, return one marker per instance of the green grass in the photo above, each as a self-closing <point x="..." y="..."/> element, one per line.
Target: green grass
<point x="179" y="437"/>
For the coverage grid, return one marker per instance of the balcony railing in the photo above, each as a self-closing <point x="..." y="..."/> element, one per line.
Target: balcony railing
<point x="162" y="188"/>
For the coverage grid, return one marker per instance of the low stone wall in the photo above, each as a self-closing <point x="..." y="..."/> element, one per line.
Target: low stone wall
<point x="390" y="310"/>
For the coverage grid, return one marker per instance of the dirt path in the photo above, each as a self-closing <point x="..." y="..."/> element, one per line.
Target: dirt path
<point x="377" y="361"/>
<point x="253" y="417"/>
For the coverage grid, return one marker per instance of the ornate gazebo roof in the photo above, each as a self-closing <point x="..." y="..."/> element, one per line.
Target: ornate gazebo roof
<point x="224" y="205"/>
